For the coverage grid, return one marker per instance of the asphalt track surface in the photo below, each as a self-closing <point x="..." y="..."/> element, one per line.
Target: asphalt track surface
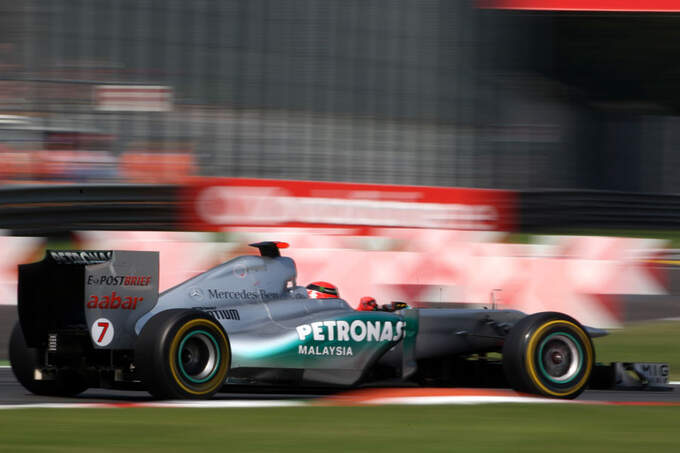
<point x="12" y="393"/>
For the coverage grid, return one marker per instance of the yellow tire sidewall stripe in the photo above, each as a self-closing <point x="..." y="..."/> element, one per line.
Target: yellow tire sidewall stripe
<point x="531" y="350"/>
<point x="219" y="377"/>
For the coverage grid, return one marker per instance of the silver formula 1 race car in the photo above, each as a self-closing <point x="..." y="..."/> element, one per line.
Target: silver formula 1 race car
<point x="95" y="319"/>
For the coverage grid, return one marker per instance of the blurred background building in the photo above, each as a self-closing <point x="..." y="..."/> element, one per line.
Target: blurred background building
<point x="424" y="92"/>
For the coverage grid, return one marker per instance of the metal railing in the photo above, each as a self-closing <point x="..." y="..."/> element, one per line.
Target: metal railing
<point x="48" y="210"/>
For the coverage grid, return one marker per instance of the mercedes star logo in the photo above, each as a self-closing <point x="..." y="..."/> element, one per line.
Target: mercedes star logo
<point x="196" y="293"/>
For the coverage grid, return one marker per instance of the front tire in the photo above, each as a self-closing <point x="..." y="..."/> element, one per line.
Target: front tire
<point x="549" y="354"/>
<point x="182" y="354"/>
<point x="25" y="361"/>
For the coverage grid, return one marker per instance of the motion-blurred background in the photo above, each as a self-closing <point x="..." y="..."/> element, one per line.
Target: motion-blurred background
<point x="400" y="92"/>
<point x="171" y="125"/>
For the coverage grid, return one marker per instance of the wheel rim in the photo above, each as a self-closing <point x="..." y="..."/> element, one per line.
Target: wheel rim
<point x="560" y="357"/>
<point x="198" y="356"/>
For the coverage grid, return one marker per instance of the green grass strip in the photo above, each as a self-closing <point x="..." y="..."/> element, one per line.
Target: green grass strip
<point x="672" y="236"/>
<point x="487" y="428"/>
<point x="647" y="342"/>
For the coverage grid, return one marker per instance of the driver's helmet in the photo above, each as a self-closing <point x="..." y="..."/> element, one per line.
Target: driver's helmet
<point x="367" y="303"/>
<point x="322" y="290"/>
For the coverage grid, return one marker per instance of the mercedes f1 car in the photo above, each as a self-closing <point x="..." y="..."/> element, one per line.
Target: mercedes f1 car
<point x="96" y="319"/>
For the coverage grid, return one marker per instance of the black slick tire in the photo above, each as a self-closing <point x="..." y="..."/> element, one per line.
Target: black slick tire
<point x="548" y="354"/>
<point x="182" y="354"/>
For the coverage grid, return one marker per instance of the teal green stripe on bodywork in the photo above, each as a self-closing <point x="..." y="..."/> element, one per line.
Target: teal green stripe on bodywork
<point x="259" y="349"/>
<point x="283" y="351"/>
<point x="412" y="319"/>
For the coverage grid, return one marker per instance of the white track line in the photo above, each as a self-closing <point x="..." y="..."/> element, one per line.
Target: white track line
<point x="406" y="400"/>
<point x="164" y="404"/>
<point x="49" y="406"/>
<point x="431" y="400"/>
<point x="221" y="404"/>
<point x="228" y="403"/>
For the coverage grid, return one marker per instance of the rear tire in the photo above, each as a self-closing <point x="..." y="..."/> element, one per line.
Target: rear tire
<point x="25" y="360"/>
<point x="549" y="354"/>
<point x="182" y="354"/>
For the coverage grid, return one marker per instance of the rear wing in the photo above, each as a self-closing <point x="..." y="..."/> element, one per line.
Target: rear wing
<point x="75" y="290"/>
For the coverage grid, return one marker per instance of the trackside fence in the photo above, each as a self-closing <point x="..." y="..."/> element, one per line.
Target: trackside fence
<point x="56" y="209"/>
<point x="548" y="210"/>
<point x="43" y="210"/>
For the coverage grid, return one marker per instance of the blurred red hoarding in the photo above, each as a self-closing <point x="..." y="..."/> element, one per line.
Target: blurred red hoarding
<point x="584" y="5"/>
<point x="215" y="204"/>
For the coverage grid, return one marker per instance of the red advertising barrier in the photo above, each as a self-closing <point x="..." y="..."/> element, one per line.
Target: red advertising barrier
<point x="584" y="5"/>
<point x="215" y="204"/>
